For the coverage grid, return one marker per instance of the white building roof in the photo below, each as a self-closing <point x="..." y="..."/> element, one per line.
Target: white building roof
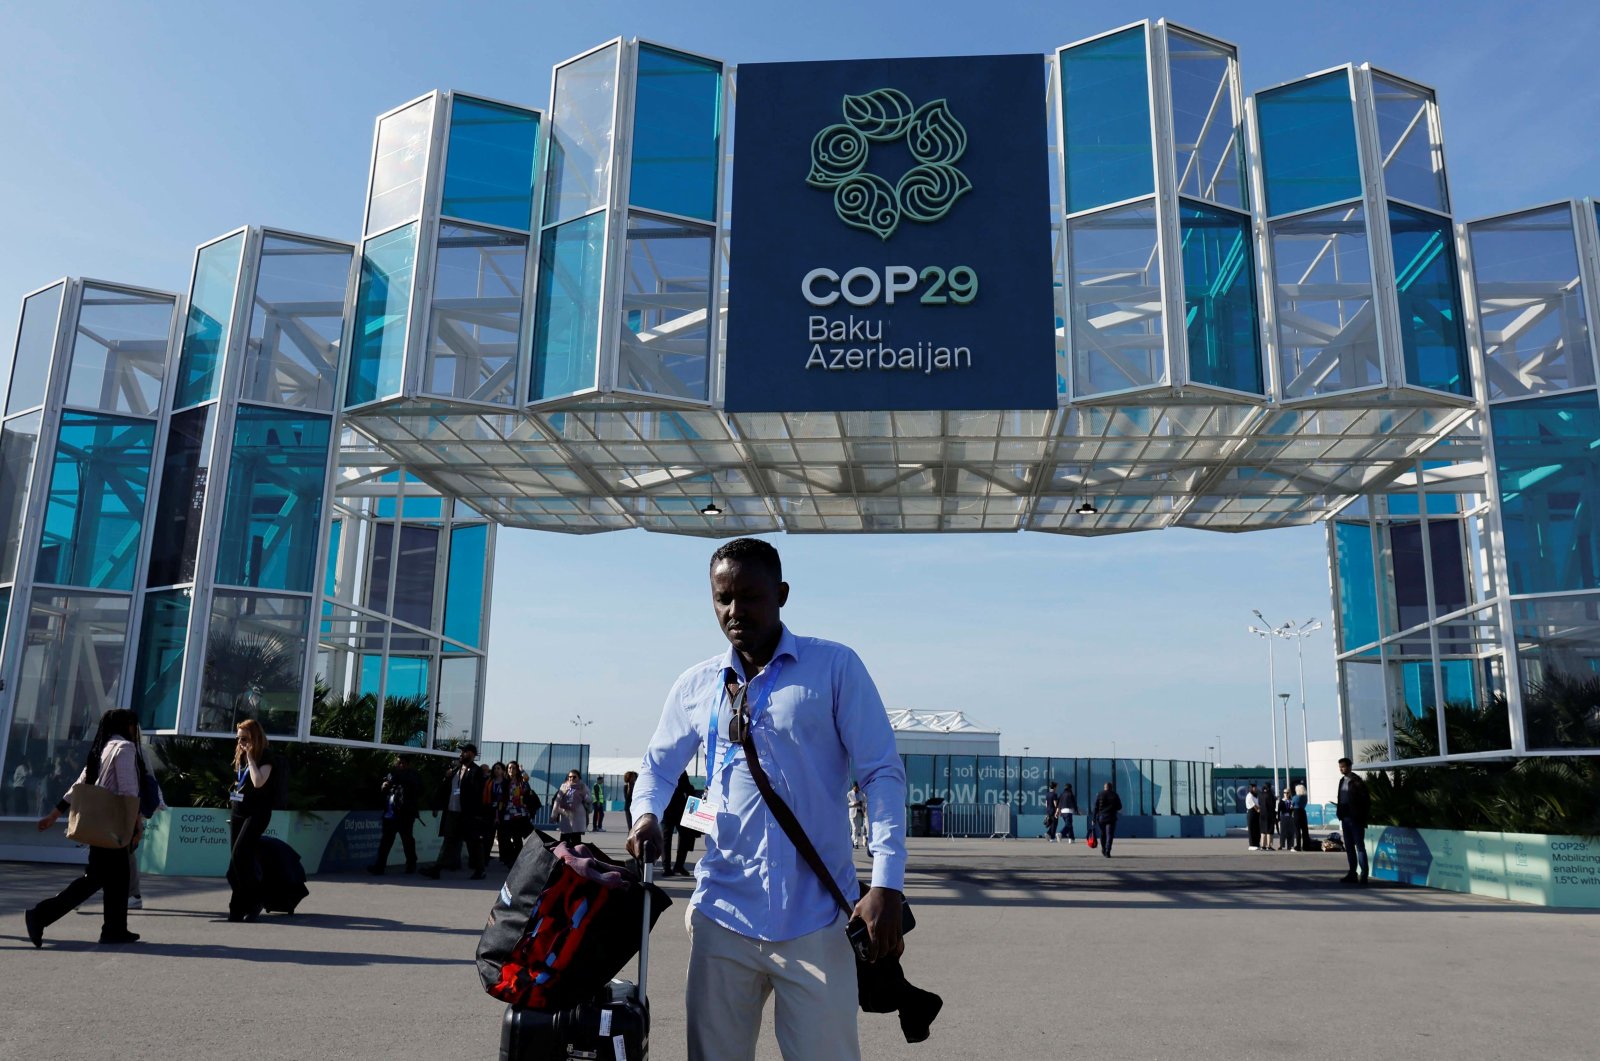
<point x="938" y="722"/>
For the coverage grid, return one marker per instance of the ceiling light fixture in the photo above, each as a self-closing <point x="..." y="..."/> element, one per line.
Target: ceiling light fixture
<point x="711" y="509"/>
<point x="1087" y="509"/>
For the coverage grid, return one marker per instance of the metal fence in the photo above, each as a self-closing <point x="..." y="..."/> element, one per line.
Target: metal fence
<point x="971" y="819"/>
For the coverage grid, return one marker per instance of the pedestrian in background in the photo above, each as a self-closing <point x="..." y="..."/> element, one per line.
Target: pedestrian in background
<point x="1355" y="804"/>
<point x="627" y="796"/>
<point x="151" y="802"/>
<point x="1302" y="824"/>
<point x="858" y="815"/>
<point x="572" y="806"/>
<point x="496" y="797"/>
<point x="598" y="794"/>
<point x="113" y="765"/>
<point x="1069" y="810"/>
<point x="401" y="789"/>
<point x="1052" y="812"/>
<point x="252" y="813"/>
<point x="1252" y="816"/>
<point x="1286" y="829"/>
<point x="671" y="822"/>
<point x="1107" y="805"/>
<point x="1269" y="817"/>
<point x="462" y="820"/>
<point x="521" y="805"/>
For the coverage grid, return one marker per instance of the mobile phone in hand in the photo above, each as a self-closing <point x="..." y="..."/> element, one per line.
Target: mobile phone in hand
<point x="860" y="939"/>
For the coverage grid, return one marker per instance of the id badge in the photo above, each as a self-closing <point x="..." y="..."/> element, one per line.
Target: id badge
<point x="700" y="815"/>
<point x="236" y="796"/>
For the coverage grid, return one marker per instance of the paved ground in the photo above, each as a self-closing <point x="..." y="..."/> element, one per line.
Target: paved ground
<point x="1191" y="949"/>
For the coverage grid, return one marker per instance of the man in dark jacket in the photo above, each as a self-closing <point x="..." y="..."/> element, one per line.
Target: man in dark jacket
<point x="669" y="822"/>
<point x="465" y="817"/>
<point x="1107" y="805"/>
<point x="402" y="802"/>
<point x="1355" y="805"/>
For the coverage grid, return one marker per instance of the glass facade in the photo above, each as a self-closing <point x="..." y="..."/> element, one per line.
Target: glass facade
<point x="1115" y="281"/>
<point x="1206" y="137"/>
<point x="1432" y="338"/>
<point x="1413" y="163"/>
<point x="666" y="308"/>
<point x="254" y="662"/>
<point x="119" y="351"/>
<point x="1308" y="144"/>
<point x="205" y="331"/>
<point x="95" y="502"/>
<point x="399" y="165"/>
<point x="476" y="317"/>
<point x="1547" y="453"/>
<point x="489" y="168"/>
<point x="677" y="126"/>
<point x="1357" y="586"/>
<point x="566" y="345"/>
<point x="1322" y="280"/>
<point x="383" y="300"/>
<point x="1105" y="105"/>
<point x="581" y="121"/>
<point x="36" y="339"/>
<point x="1219" y="287"/>
<point x="19" y="441"/>
<point x="180" y="507"/>
<point x="463" y="607"/>
<point x="1558" y="644"/>
<point x="291" y="353"/>
<point x="272" y="514"/>
<point x="158" y="666"/>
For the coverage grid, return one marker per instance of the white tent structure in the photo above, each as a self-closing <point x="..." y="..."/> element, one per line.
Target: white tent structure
<point x="942" y="733"/>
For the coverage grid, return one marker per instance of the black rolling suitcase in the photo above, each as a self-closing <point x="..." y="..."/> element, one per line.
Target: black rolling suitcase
<point x="283" y="876"/>
<point x="612" y="1027"/>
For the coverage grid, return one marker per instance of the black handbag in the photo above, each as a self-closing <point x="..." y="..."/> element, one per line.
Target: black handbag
<point x="881" y="986"/>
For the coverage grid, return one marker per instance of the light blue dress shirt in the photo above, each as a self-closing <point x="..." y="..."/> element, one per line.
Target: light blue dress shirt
<point x="822" y="719"/>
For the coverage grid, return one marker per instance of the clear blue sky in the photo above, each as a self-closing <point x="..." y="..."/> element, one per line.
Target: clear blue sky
<point x="134" y="131"/>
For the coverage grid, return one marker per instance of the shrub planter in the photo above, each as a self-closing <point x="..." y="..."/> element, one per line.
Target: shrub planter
<point x="1523" y="867"/>
<point x="194" y="841"/>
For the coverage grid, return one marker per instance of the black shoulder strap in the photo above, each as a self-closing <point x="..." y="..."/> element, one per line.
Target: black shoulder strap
<point x="790" y="824"/>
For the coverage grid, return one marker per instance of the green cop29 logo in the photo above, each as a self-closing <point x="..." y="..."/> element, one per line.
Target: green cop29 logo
<point x="924" y="193"/>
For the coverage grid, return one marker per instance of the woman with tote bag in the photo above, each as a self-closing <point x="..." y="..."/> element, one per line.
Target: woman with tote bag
<point x="113" y="770"/>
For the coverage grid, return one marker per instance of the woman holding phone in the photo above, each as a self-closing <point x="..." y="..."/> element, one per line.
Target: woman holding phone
<point x="252" y="812"/>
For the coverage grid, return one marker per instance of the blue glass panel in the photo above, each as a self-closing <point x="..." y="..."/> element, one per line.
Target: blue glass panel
<point x="36" y="343"/>
<point x="119" y="353"/>
<point x="95" y="508"/>
<point x="1412" y="169"/>
<point x="1358" y="599"/>
<point x="205" y="333"/>
<point x="1219" y="296"/>
<point x="463" y="600"/>
<point x="1431" y="335"/>
<point x="677" y="119"/>
<point x="158" y="671"/>
<point x="19" y="441"/>
<point x="408" y="677"/>
<point x="567" y="340"/>
<point x="1547" y="455"/>
<point x="185" y="472"/>
<point x="1105" y="107"/>
<point x="383" y="303"/>
<point x="291" y="355"/>
<point x="369" y="682"/>
<point x="273" y="508"/>
<point x="1308" y="143"/>
<point x="489" y="167"/>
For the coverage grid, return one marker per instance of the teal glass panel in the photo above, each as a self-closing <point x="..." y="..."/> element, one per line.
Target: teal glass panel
<point x="185" y="474"/>
<point x="1431" y="335"/>
<point x="677" y="120"/>
<point x="408" y="678"/>
<point x="19" y="441"/>
<point x="1105" y="109"/>
<point x="383" y="303"/>
<point x="476" y="320"/>
<point x="1530" y="299"/>
<point x="370" y="679"/>
<point x="1356" y="590"/>
<point x="330" y="574"/>
<point x="119" y="352"/>
<point x="94" y="511"/>
<point x="5" y="611"/>
<point x="581" y="125"/>
<point x="1547" y="456"/>
<point x="463" y="597"/>
<point x="399" y="163"/>
<point x="1219" y="299"/>
<point x="205" y="332"/>
<point x="255" y="662"/>
<point x="291" y="354"/>
<point x="567" y="322"/>
<point x="489" y="165"/>
<point x="1206" y="138"/>
<point x="158" y="669"/>
<point x="1308" y="143"/>
<point x="36" y="343"/>
<point x="273" y="508"/>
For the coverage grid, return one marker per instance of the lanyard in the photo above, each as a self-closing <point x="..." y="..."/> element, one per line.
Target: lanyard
<point x="756" y="705"/>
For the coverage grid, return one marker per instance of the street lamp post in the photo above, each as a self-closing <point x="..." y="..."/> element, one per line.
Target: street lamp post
<point x="1219" y="749"/>
<point x="1266" y="631"/>
<point x="1288" y="760"/>
<point x="1299" y="634"/>
<point x="582" y="724"/>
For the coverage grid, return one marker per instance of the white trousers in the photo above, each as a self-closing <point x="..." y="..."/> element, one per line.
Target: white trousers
<point x="730" y="977"/>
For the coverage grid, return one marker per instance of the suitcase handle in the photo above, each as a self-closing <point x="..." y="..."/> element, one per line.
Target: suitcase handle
<point x="649" y="872"/>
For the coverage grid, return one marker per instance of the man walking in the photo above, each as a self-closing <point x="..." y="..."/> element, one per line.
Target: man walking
<point x="1252" y="816"/>
<point x="402" y="800"/>
<point x="1107" y="805"/>
<point x="463" y="821"/>
<point x="761" y="921"/>
<point x="1355" y="804"/>
<point x="1052" y="812"/>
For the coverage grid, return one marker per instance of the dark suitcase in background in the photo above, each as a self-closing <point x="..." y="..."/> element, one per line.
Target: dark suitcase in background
<point x="616" y="1028"/>
<point x="613" y="1027"/>
<point x="283" y="876"/>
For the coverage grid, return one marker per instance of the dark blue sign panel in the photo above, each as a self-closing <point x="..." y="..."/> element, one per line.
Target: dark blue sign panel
<point x="891" y="222"/>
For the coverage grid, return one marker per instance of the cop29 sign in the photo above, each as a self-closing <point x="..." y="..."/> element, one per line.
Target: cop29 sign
<point x="891" y="239"/>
